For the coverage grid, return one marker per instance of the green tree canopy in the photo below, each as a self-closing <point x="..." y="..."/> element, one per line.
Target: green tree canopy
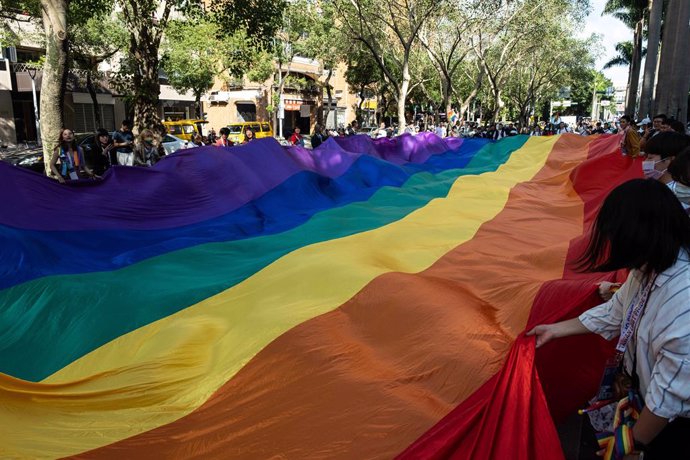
<point x="195" y="53"/>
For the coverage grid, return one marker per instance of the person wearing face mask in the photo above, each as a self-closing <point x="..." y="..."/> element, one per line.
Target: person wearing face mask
<point x="640" y="227"/>
<point x="661" y="151"/>
<point x="679" y="169"/>
<point x="147" y="149"/>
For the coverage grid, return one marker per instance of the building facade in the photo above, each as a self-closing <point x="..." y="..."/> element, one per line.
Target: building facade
<point x="20" y="84"/>
<point x="304" y="100"/>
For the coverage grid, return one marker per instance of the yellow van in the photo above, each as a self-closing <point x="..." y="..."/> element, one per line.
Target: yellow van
<point x="184" y="129"/>
<point x="260" y="128"/>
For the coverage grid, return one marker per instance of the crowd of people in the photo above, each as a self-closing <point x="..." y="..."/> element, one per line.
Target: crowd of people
<point x="643" y="226"/>
<point x="68" y="161"/>
<point x="496" y="131"/>
<point x="146" y="149"/>
<point x="643" y="406"/>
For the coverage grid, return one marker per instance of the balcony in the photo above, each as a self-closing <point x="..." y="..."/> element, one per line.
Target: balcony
<point x="76" y="80"/>
<point x="22" y="73"/>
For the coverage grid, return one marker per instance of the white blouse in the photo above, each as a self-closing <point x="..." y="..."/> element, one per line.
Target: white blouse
<point x="662" y="343"/>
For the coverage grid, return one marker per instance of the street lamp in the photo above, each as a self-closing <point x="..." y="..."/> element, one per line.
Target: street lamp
<point x="32" y="73"/>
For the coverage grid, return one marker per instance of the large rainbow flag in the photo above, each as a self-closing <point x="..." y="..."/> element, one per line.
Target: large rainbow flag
<point x="364" y="300"/>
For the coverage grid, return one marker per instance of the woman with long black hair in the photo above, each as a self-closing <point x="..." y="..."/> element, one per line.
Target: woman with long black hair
<point x="103" y="151"/>
<point x="642" y="227"/>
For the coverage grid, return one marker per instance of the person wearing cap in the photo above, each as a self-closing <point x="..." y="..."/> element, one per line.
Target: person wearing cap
<point x="655" y="129"/>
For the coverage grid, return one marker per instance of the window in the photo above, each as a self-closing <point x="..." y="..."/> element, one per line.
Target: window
<point x="85" y="119"/>
<point x="235" y="129"/>
<point x="265" y="127"/>
<point x="108" y="117"/>
<point x="246" y="112"/>
<point x="28" y="55"/>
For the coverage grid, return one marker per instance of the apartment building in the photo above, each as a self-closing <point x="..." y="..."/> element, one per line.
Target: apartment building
<point x="17" y="110"/>
<point x="304" y="99"/>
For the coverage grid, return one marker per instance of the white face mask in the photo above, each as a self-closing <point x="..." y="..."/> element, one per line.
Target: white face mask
<point x="648" y="168"/>
<point x="681" y="191"/>
<point x="653" y="174"/>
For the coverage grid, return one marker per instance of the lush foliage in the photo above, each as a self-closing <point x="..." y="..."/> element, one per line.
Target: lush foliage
<point x="489" y="58"/>
<point x="196" y="52"/>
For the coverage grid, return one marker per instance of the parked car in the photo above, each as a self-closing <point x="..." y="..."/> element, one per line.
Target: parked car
<point x="32" y="157"/>
<point x="173" y="144"/>
<point x="370" y="131"/>
<point x="25" y="157"/>
<point x="261" y="129"/>
<point x="184" y="129"/>
<point x="170" y="144"/>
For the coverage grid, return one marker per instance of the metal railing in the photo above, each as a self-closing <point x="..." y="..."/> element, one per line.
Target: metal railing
<point x="24" y="67"/>
<point x="27" y="67"/>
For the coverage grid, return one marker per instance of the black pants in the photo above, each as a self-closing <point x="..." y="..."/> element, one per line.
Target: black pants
<point x="672" y="443"/>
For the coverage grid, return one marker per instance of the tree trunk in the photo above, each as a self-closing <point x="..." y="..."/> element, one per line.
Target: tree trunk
<point x="281" y="87"/>
<point x="635" y="64"/>
<point x="498" y="103"/>
<point x="674" y="58"/>
<point x="198" y="106"/>
<point x="667" y="60"/>
<point x="94" y="99"/>
<point x="446" y="89"/>
<point x="382" y="108"/>
<point x="144" y="40"/>
<point x="358" y="111"/>
<point x="682" y="84"/>
<point x="54" y="78"/>
<point x="656" y="8"/>
<point x="523" y="119"/>
<point x="402" y="95"/>
<point x="146" y="86"/>
<point x="330" y="98"/>
<point x="477" y="86"/>
<point x="280" y="107"/>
